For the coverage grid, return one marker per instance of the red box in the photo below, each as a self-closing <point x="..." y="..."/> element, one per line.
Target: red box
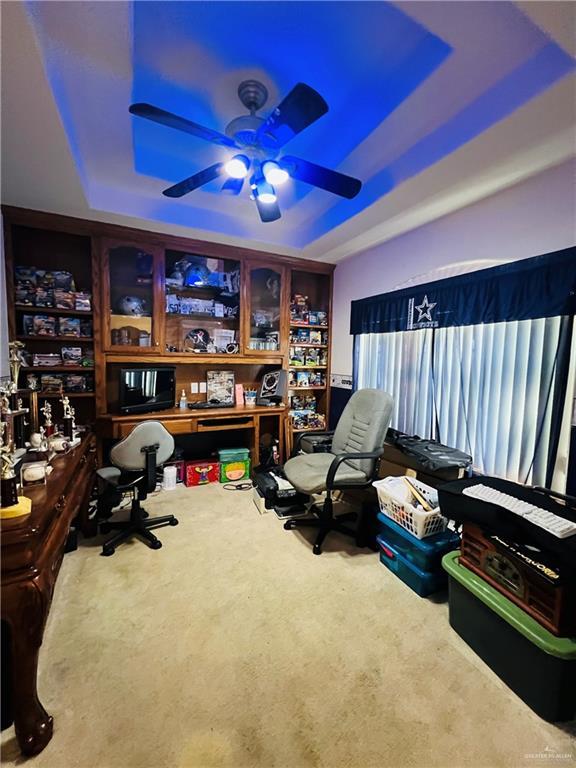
<point x="201" y="472"/>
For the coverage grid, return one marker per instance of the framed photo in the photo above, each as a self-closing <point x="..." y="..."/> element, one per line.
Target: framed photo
<point x="220" y="386"/>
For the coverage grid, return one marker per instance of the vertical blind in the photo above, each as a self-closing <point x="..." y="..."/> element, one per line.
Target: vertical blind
<point x="487" y="389"/>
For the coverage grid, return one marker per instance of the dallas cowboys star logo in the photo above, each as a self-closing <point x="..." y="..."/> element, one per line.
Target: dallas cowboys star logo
<point x="425" y="310"/>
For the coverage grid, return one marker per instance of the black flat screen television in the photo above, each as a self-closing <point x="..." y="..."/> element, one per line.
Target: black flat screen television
<point x="147" y="389"/>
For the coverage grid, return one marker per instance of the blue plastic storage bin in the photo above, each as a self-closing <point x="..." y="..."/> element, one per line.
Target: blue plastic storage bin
<point x="422" y="582"/>
<point x="425" y="554"/>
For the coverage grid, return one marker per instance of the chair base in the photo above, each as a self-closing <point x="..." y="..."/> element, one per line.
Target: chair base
<point x="138" y="525"/>
<point x="326" y="523"/>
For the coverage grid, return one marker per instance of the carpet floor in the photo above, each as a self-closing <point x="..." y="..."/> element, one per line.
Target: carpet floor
<point x="234" y="647"/>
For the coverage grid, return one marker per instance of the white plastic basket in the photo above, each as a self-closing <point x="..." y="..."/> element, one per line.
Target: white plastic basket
<point x="393" y="494"/>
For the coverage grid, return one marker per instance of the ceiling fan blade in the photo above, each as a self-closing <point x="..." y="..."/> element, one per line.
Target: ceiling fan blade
<point x="268" y="211"/>
<point x="232" y="186"/>
<point x="193" y="182"/>
<point x="301" y="107"/>
<point x="318" y="176"/>
<point x="157" y="115"/>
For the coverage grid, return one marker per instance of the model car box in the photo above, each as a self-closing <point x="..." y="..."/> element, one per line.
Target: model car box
<point x="201" y="472"/>
<point x="234" y="464"/>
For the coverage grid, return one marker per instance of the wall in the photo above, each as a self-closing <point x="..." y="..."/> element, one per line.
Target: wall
<point x="531" y="218"/>
<point x="4" y="353"/>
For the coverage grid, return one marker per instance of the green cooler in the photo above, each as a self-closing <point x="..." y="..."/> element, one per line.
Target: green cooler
<point x="538" y="666"/>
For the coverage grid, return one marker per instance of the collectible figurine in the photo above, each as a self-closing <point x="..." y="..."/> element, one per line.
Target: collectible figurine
<point x="8" y="486"/>
<point x="47" y="411"/>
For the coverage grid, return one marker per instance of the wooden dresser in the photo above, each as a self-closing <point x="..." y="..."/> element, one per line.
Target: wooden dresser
<point x="32" y="551"/>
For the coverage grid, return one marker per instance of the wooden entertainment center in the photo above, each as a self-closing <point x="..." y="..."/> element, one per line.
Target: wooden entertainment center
<point x="144" y="313"/>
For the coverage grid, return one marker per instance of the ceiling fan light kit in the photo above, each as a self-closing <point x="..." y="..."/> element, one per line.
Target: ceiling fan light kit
<point x="261" y="140"/>
<point x="274" y="173"/>
<point x="238" y="167"/>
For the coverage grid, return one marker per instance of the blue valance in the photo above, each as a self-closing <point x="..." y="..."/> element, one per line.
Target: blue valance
<point x="542" y="286"/>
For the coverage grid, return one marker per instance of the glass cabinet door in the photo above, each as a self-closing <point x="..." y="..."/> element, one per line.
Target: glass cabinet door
<point x="130" y="272"/>
<point x="266" y="286"/>
<point x="202" y="304"/>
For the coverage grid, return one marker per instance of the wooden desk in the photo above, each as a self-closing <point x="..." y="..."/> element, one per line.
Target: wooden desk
<point x="32" y="551"/>
<point x="190" y="421"/>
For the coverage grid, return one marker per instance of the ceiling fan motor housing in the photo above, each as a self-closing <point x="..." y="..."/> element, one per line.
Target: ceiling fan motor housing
<point x="253" y="94"/>
<point x="243" y="129"/>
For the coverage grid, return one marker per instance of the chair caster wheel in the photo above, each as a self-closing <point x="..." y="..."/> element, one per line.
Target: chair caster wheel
<point x="107" y="551"/>
<point x="174" y="522"/>
<point x="105" y="528"/>
<point x="289" y="525"/>
<point x="155" y="545"/>
<point x="316" y="549"/>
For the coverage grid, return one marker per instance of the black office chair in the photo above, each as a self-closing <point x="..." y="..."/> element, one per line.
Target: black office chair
<point x="135" y="460"/>
<point x="352" y="462"/>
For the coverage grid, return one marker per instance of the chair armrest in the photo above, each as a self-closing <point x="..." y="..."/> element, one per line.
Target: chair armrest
<point x="302" y="435"/>
<point x="330" y="477"/>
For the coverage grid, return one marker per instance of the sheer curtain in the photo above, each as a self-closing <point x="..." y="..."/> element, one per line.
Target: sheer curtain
<point x="492" y="390"/>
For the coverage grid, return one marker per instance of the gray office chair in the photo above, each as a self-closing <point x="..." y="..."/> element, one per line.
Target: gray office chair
<point x="357" y="444"/>
<point x="135" y="460"/>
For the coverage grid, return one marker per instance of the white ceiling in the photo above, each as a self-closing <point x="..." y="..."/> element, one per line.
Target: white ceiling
<point x="482" y="120"/>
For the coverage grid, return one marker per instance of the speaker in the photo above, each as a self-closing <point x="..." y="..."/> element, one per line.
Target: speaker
<point x="273" y="388"/>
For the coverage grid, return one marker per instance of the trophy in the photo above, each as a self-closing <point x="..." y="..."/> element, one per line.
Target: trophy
<point x="5" y="400"/>
<point x="16" y="359"/>
<point x="68" y="417"/>
<point x="8" y="486"/>
<point x="47" y="411"/>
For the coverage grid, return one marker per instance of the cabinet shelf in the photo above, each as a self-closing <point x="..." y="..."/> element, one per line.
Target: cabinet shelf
<point x="62" y="368"/>
<point x="55" y="338"/>
<point x="202" y="316"/>
<point x="61" y="394"/>
<point x="308" y="346"/>
<point x="52" y="310"/>
<point x="304" y="389"/>
<point x="307" y="367"/>
<point x="302" y="325"/>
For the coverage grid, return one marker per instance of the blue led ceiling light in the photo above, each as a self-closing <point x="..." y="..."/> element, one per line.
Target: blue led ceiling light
<point x="274" y="173"/>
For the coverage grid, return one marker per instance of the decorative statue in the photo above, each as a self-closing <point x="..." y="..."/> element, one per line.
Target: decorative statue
<point x="8" y="486"/>
<point x="73" y="417"/>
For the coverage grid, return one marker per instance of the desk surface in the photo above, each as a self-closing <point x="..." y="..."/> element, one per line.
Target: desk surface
<point x="197" y="413"/>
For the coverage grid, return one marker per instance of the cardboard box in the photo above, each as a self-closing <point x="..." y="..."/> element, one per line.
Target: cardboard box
<point x="201" y="472"/>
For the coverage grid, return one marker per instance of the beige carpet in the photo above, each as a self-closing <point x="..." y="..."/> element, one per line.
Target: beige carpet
<point x="234" y="646"/>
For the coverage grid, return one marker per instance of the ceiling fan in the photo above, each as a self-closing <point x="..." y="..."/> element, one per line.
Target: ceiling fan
<point x="260" y="141"/>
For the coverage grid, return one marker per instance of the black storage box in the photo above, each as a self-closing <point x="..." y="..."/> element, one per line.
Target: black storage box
<point x="538" y="666"/>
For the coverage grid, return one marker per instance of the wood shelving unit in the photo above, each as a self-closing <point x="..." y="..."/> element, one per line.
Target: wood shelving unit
<point x="310" y="342"/>
<point x="98" y="255"/>
<point x="34" y="246"/>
